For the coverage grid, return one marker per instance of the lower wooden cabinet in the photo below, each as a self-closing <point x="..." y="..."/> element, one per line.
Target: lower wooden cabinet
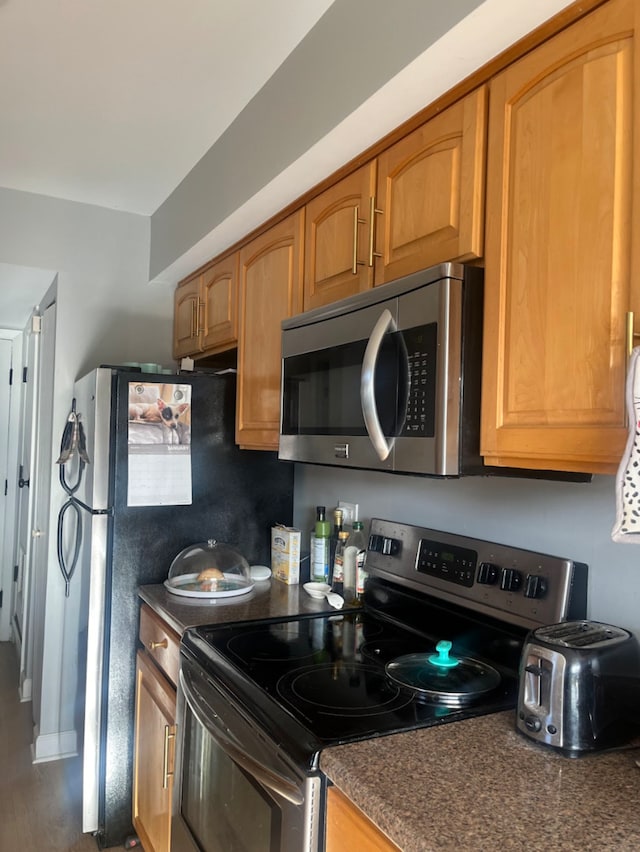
<point x="348" y="828"/>
<point x="154" y="732"/>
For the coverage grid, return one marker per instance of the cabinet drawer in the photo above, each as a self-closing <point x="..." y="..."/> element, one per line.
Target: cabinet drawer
<point x="160" y="642"/>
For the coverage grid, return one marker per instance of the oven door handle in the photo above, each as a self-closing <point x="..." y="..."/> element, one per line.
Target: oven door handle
<point x="382" y="447"/>
<point x="212" y="723"/>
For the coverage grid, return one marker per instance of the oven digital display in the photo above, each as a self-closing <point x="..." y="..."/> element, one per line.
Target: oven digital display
<point x="454" y="564"/>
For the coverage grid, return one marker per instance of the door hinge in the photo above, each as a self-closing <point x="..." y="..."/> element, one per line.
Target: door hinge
<point x="10" y="375"/>
<point x="36" y="324"/>
<point x="24" y="374"/>
<point x="21" y="480"/>
<point x="16" y="568"/>
<point x="1" y="593"/>
<point x="6" y="487"/>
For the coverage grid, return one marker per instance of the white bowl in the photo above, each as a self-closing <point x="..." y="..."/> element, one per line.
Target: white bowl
<point x="317" y="590"/>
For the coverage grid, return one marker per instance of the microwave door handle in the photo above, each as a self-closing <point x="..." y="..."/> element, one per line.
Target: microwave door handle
<point x="212" y="723"/>
<point x="382" y="447"/>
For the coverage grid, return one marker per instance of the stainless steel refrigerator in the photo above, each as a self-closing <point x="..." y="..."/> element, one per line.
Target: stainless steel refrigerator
<point x="158" y="476"/>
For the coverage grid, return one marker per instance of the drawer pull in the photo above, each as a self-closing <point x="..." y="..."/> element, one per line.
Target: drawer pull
<point x="162" y="644"/>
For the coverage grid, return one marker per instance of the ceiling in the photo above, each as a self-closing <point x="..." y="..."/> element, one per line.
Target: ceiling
<point x="112" y="102"/>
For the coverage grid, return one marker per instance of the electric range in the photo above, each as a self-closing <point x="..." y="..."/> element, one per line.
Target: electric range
<point x="437" y="639"/>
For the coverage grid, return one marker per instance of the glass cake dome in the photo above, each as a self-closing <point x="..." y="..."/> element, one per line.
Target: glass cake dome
<point x="209" y="569"/>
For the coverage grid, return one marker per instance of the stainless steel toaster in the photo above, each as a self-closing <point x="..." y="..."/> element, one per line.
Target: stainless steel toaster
<point x="579" y="687"/>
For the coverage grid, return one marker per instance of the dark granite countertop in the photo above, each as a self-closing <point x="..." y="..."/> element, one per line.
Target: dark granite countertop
<point x="268" y="599"/>
<point x="478" y="786"/>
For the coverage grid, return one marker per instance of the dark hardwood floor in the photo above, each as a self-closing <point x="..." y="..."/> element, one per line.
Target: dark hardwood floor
<point x="40" y="804"/>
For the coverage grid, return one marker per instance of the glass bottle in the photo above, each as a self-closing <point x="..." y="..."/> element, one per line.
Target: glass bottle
<point x="349" y="574"/>
<point x="320" y="548"/>
<point x="337" y="529"/>
<point x="337" y="576"/>
<point x="359" y="542"/>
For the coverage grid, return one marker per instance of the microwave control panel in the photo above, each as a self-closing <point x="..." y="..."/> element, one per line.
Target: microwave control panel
<point x="421" y="348"/>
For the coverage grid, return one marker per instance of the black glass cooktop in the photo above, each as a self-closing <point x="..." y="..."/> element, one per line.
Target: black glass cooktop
<point x="322" y="680"/>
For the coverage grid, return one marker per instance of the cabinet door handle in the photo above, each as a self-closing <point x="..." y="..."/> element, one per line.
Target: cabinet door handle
<point x="373" y="210"/>
<point x="631" y="334"/>
<point x="356" y="221"/>
<point x="169" y="734"/>
<point x="164" y="643"/>
<point x="194" y="318"/>
<point x="200" y="315"/>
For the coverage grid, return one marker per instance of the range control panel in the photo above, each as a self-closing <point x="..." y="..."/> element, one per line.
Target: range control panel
<point x="520" y="586"/>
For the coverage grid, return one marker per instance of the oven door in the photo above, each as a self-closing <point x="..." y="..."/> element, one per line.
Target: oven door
<point x="234" y="790"/>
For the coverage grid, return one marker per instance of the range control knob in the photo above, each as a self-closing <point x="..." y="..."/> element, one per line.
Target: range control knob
<point x="488" y="573"/>
<point x="535" y="586"/>
<point x="511" y="580"/>
<point x="384" y="544"/>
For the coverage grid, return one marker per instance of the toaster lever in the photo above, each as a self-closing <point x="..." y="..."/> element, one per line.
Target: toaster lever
<point x="535" y="670"/>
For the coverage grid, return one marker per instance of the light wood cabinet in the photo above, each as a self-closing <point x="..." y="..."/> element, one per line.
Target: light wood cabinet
<point x="271" y="276"/>
<point x="348" y="828"/>
<point x="186" y="310"/>
<point x="154" y="732"/>
<point x="562" y="207"/>
<point x="338" y="230"/>
<point x="421" y="202"/>
<point x="430" y="201"/>
<point x="206" y="310"/>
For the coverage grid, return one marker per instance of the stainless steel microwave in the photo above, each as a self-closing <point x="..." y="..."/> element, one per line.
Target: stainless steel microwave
<point x="388" y="379"/>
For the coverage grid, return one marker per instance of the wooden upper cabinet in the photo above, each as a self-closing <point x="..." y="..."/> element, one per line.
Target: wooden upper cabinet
<point x="205" y="318"/>
<point x="338" y="240"/>
<point x="219" y="299"/>
<point x="186" y="335"/>
<point x="430" y="201"/>
<point x="564" y="133"/>
<point x="271" y="274"/>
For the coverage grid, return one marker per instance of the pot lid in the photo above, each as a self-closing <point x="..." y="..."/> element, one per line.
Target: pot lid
<point x="442" y="678"/>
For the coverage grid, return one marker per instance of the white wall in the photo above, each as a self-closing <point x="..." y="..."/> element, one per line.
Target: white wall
<point x="567" y="519"/>
<point x="106" y="313"/>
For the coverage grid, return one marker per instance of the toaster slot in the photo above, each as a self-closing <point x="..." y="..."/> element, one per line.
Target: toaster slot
<point x="537" y="684"/>
<point x="540" y="701"/>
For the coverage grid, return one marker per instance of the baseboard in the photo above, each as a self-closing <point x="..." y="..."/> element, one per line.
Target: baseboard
<point x="26" y="688"/>
<point x="55" y="746"/>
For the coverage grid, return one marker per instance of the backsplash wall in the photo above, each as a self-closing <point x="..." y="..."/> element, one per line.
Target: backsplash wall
<point x="567" y="519"/>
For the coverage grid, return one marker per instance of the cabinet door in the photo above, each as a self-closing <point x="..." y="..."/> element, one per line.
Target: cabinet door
<point x="349" y="828"/>
<point x="338" y="260"/>
<point x="563" y="137"/>
<point x="220" y="305"/>
<point x="186" y="310"/>
<point x="430" y="203"/>
<point x="154" y="753"/>
<point x="270" y="291"/>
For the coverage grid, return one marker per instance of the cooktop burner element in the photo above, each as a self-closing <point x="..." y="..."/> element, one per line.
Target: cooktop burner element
<point x="343" y="688"/>
<point x="438" y="639"/>
<point x="276" y="643"/>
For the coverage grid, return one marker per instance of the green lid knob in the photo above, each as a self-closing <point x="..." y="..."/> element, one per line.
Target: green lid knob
<point x="442" y="658"/>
